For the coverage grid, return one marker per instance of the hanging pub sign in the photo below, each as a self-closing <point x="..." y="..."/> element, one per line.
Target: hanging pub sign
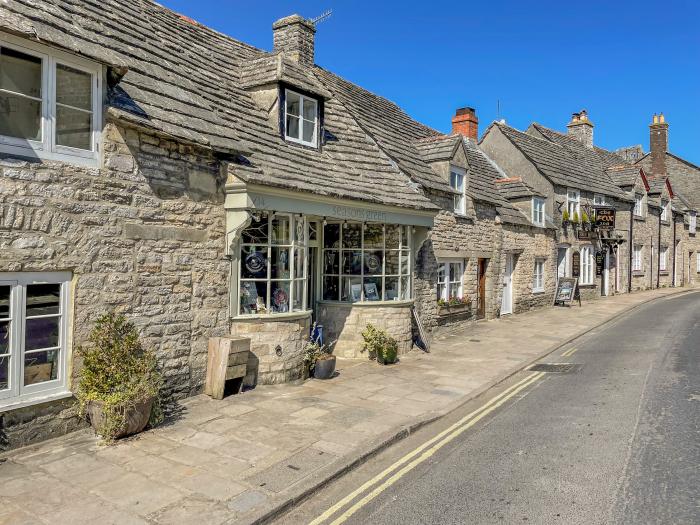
<point x="599" y="262"/>
<point x="567" y="292"/>
<point x="576" y="264"/>
<point x="605" y="218"/>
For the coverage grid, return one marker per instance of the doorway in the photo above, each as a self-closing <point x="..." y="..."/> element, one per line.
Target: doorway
<point x="562" y="261"/>
<point x="481" y="292"/>
<point x="507" y="298"/>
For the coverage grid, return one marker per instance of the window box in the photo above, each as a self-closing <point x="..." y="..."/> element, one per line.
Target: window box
<point x="448" y="310"/>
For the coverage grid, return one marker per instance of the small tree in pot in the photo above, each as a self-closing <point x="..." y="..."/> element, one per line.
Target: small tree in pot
<point x="119" y="383"/>
<point x="379" y="345"/>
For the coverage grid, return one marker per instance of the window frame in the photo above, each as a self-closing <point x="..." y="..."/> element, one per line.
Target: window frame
<point x="587" y="276"/>
<point x="575" y="201"/>
<point x="17" y="394"/>
<point x="302" y="97"/>
<point x="663" y="259"/>
<point x="47" y="149"/>
<point x="538" y="276"/>
<point x="639" y="210"/>
<point x="664" y="210"/>
<point x="637" y="257"/>
<point x="599" y="200"/>
<point x="692" y="222"/>
<point x="446" y="284"/>
<point x="461" y="194"/>
<point x="697" y="262"/>
<point x="536" y="213"/>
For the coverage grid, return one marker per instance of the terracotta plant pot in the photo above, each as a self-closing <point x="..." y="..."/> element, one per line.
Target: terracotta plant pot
<point x="324" y="368"/>
<point x="136" y="417"/>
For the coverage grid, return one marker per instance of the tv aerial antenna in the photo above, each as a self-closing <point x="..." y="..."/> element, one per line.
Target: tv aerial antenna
<point x="322" y="17"/>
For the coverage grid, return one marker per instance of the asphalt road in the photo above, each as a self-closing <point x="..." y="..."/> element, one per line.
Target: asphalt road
<point x="616" y="441"/>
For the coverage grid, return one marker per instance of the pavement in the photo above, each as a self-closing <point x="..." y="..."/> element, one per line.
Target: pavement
<point x="251" y="456"/>
<point x="612" y="442"/>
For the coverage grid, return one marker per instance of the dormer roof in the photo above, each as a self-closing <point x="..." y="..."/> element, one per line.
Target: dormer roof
<point x="276" y="68"/>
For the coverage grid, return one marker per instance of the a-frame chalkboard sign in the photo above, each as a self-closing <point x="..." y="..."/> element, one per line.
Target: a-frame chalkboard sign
<point x="567" y="292"/>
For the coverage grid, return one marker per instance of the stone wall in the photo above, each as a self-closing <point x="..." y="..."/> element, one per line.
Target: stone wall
<point x="276" y="347"/>
<point x="143" y="236"/>
<point x="344" y="324"/>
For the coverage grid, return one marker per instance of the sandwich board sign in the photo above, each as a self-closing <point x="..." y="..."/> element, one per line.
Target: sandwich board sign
<point x="567" y="291"/>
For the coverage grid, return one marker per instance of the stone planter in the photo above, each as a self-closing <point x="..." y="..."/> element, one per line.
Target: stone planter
<point x="136" y="417"/>
<point x="324" y="368"/>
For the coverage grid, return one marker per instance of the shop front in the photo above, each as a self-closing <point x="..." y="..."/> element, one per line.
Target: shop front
<point x="299" y="262"/>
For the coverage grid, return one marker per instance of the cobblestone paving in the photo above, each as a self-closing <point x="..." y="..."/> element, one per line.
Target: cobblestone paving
<point x="222" y="460"/>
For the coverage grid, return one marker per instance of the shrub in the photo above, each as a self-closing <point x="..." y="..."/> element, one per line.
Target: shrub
<point x="314" y="351"/>
<point x="565" y="216"/>
<point x="575" y="218"/>
<point x="584" y="217"/>
<point x="379" y="345"/>
<point x="118" y="373"/>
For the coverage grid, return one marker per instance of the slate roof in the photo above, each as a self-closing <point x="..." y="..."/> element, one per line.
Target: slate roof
<point x="657" y="184"/>
<point x="686" y="181"/>
<point x="515" y="188"/>
<point x="275" y="68"/>
<point x="185" y="80"/>
<point x="623" y="175"/>
<point x="438" y="147"/>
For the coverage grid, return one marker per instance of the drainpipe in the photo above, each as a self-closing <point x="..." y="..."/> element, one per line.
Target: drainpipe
<point x="673" y="273"/>
<point x="630" y="250"/>
<point x="658" y="254"/>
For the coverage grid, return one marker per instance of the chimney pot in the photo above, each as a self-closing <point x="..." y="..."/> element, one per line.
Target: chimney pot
<point x="294" y="36"/>
<point x="466" y="123"/>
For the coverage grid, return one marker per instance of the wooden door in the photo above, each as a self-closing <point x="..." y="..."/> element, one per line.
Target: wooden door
<point x="481" y="299"/>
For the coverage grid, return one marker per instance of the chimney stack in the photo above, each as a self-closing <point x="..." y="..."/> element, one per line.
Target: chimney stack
<point x="466" y="123"/>
<point x="581" y="128"/>
<point x="294" y="35"/>
<point x="658" y="144"/>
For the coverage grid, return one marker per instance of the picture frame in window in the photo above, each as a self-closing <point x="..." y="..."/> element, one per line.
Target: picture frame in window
<point x="371" y="292"/>
<point x="356" y="291"/>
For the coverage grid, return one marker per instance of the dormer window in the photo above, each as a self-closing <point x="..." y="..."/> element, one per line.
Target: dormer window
<point x="301" y="119"/>
<point x="664" y="210"/>
<point x="457" y="176"/>
<point x="538" y="211"/>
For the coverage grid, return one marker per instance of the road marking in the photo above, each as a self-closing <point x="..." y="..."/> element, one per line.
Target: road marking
<point x="570" y="352"/>
<point x="448" y="434"/>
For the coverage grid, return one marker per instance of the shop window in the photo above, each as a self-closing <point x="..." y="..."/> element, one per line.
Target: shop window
<point x="637" y="258"/>
<point x="639" y="205"/>
<point x="49" y="104"/>
<point x="301" y="119"/>
<point x="33" y="334"/>
<point x="663" y="258"/>
<point x="366" y="262"/>
<point x="457" y="178"/>
<point x="538" y="276"/>
<point x="273" y="265"/>
<point x="538" y="211"/>
<point x="573" y="204"/>
<point x="450" y="280"/>
<point x="587" y="265"/>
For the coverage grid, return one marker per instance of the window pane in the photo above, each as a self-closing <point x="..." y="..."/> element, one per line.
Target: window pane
<point x="352" y="235"/>
<point x="279" y="296"/>
<point x="73" y="128"/>
<point x="331" y="236"/>
<point x="299" y="262"/>
<point x="405" y="288"/>
<point x="292" y="103"/>
<point x="20" y="73"/>
<point x="331" y="262"/>
<point x="298" y="303"/>
<point x="256" y="233"/>
<point x="41" y="333"/>
<point x="4" y="373"/>
<point x="280" y="263"/>
<point x="404" y="262"/>
<point x="392" y="263"/>
<point x="73" y="87"/>
<point x="280" y="230"/>
<point x="352" y="289"/>
<point x="404" y="236"/>
<point x="392" y="236"/>
<point x="254" y="262"/>
<point x="309" y="129"/>
<point x="310" y="110"/>
<point x="330" y="288"/>
<point x="5" y="302"/>
<point x="4" y="337"/>
<point x="300" y="230"/>
<point x="373" y="288"/>
<point x="20" y="117"/>
<point x="40" y="367"/>
<point x="392" y="288"/>
<point x="43" y="299"/>
<point x="374" y="236"/>
<point x="352" y="262"/>
<point x="253" y="297"/>
<point x="373" y="262"/>
<point x="455" y="272"/>
<point x="293" y="127"/>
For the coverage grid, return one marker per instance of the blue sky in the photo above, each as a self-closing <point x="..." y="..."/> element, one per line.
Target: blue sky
<point x="622" y="61"/>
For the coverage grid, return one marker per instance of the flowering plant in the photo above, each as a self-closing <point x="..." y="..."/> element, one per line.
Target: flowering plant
<point x="453" y="300"/>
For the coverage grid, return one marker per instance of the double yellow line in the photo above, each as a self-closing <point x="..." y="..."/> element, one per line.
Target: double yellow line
<point x="569" y="352"/>
<point x="419" y="455"/>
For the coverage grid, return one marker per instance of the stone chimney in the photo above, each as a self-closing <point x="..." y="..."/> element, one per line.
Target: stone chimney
<point x="658" y="144"/>
<point x="466" y="123"/>
<point x="294" y="36"/>
<point x="581" y="128"/>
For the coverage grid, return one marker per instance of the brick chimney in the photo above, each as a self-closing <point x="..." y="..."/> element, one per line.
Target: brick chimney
<point x="294" y="35"/>
<point x="658" y="144"/>
<point x="466" y="123"/>
<point x="581" y="128"/>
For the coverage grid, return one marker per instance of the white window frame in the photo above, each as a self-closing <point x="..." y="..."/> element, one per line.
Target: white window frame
<point x="445" y="284"/>
<point x="639" y="205"/>
<point x="538" y="213"/>
<point x="599" y="199"/>
<point x="460" y="199"/>
<point x="47" y="148"/>
<point x="19" y="395"/>
<point x="664" y="209"/>
<point x="663" y="259"/>
<point x="573" y="203"/>
<point x="692" y="222"/>
<point x="637" y="257"/>
<point x="538" y="276"/>
<point x="300" y="139"/>
<point x="587" y="265"/>
<point x="697" y="262"/>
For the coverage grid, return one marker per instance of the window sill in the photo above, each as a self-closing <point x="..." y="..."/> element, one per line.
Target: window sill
<point x="637" y="273"/>
<point x="36" y="400"/>
<point x="587" y="286"/>
<point x="31" y="155"/>
<point x="665" y="222"/>
<point x="404" y="302"/>
<point x="664" y="272"/>
<point x="640" y="218"/>
<point x="289" y="316"/>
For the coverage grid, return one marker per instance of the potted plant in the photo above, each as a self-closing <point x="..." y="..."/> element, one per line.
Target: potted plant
<point x="565" y="219"/>
<point x="585" y="221"/>
<point x="318" y="358"/>
<point x="574" y="219"/>
<point x="119" y="383"/>
<point x="379" y="345"/>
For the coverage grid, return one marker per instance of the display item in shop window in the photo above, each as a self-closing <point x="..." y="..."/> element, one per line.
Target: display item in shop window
<point x="371" y="292"/>
<point x="373" y="262"/>
<point x="356" y="290"/>
<point x="256" y="264"/>
<point x="280" y="298"/>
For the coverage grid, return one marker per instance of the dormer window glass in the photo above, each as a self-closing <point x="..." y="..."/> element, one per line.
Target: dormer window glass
<point x="301" y="119"/>
<point x="538" y="211"/>
<point x="457" y="176"/>
<point x="573" y="204"/>
<point x="664" y="210"/>
<point x="639" y="205"/>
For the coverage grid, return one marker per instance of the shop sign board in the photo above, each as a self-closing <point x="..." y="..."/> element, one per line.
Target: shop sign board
<point x="576" y="264"/>
<point x="567" y="291"/>
<point x="584" y="235"/>
<point x="599" y="262"/>
<point x="605" y="218"/>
